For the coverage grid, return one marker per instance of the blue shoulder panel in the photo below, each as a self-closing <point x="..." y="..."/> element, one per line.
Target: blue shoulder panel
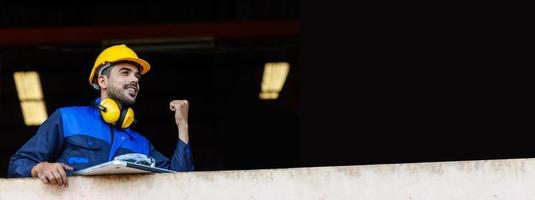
<point x="84" y="120"/>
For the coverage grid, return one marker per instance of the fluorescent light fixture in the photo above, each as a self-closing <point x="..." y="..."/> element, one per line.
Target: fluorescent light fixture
<point x="28" y="85"/>
<point x="273" y="79"/>
<point x="31" y="97"/>
<point x="269" y="95"/>
<point x="34" y="112"/>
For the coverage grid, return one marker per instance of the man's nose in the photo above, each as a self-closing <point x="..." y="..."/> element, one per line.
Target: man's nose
<point x="134" y="79"/>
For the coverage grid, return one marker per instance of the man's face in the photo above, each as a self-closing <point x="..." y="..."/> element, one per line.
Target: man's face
<point x="123" y="83"/>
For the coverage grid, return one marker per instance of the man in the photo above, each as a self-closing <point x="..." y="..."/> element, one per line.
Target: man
<point x="77" y="137"/>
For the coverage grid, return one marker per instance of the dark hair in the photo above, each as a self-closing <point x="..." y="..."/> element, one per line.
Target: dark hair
<point x="106" y="72"/>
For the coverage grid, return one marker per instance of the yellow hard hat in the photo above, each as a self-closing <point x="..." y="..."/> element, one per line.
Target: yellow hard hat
<point x="114" y="54"/>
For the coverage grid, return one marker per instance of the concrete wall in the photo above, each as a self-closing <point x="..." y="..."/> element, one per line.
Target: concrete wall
<point x="471" y="180"/>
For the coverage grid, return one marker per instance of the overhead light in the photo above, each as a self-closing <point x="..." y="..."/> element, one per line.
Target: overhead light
<point x="28" y="85"/>
<point x="269" y="95"/>
<point x="34" y="112"/>
<point x="275" y="74"/>
<point x="31" y="97"/>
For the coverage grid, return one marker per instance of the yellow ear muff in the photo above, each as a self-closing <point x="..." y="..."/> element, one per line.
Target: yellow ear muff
<point x="109" y="110"/>
<point x="112" y="114"/>
<point x="128" y="118"/>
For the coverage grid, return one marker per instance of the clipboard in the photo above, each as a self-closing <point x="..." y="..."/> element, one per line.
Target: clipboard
<point x="120" y="167"/>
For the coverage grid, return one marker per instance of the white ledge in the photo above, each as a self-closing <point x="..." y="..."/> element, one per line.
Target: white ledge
<point x="473" y="180"/>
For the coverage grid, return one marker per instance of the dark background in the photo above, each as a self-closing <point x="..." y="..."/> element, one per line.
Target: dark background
<point x="368" y="84"/>
<point x="411" y="82"/>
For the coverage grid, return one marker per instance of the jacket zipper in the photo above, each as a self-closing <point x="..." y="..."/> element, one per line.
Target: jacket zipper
<point x="112" y="136"/>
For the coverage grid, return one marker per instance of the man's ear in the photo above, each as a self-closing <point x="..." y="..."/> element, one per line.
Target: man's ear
<point x="102" y="82"/>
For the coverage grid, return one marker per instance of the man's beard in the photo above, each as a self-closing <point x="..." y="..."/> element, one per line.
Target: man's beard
<point x="117" y="94"/>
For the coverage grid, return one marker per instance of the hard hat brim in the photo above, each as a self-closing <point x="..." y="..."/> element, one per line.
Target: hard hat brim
<point x="144" y="67"/>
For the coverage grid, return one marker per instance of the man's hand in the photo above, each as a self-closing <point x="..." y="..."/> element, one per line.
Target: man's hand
<point x="181" y="118"/>
<point x="181" y="111"/>
<point x="51" y="173"/>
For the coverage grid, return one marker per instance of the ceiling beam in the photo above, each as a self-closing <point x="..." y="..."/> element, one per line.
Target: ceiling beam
<point x="21" y="37"/>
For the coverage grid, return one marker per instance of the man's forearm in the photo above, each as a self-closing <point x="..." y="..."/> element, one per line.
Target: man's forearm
<point x="183" y="133"/>
<point x="181" y="118"/>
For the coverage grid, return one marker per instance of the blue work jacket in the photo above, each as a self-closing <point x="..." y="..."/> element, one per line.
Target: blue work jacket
<point x="78" y="137"/>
